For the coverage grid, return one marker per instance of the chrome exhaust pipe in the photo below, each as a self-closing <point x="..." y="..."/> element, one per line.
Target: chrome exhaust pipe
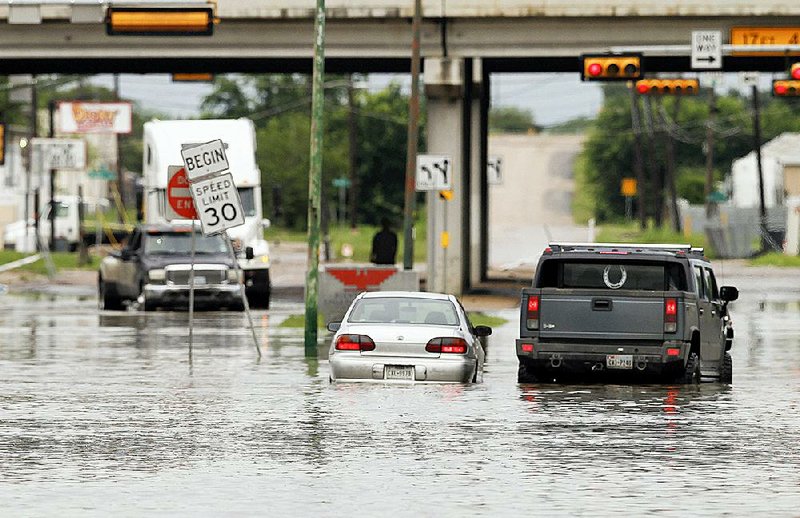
<point x="555" y="362"/>
<point x="597" y="367"/>
<point x="641" y="365"/>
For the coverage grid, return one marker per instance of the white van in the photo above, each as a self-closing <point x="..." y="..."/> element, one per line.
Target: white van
<point x="163" y="141"/>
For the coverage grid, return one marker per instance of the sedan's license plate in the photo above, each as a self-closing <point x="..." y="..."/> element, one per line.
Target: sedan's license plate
<point x="619" y="361"/>
<point x="398" y="372"/>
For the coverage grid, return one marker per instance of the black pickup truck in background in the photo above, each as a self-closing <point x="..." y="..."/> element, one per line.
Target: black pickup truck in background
<point x="654" y="311"/>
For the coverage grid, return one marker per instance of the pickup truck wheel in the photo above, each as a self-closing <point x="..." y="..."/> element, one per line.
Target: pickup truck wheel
<point x="106" y="296"/>
<point x="726" y="369"/>
<point x="691" y="373"/>
<point x="525" y="374"/>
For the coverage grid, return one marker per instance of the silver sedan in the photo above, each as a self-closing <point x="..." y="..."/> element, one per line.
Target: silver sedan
<point x="406" y="336"/>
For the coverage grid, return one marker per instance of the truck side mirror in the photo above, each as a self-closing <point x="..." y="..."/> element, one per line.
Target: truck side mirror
<point x="125" y="254"/>
<point x="248" y="253"/>
<point x="266" y="223"/>
<point x="482" y="331"/>
<point x="728" y="293"/>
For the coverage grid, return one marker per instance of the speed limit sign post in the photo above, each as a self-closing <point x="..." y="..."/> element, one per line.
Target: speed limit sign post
<point x="218" y="204"/>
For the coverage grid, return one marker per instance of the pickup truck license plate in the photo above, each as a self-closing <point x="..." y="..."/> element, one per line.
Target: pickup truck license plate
<point x="398" y="372"/>
<point x="619" y="361"/>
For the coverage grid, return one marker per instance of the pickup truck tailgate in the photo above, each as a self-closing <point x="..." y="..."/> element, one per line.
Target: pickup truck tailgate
<point x="600" y="316"/>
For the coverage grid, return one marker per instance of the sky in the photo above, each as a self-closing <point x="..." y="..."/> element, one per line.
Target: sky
<point x="552" y="98"/>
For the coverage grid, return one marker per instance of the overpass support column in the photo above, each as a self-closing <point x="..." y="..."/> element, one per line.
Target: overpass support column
<point x="453" y="120"/>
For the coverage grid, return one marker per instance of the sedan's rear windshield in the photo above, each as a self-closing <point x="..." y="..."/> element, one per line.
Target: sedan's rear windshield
<point x="612" y="275"/>
<point x="404" y="310"/>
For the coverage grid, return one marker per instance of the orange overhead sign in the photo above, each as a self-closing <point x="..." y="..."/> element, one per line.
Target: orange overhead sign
<point x="765" y="37"/>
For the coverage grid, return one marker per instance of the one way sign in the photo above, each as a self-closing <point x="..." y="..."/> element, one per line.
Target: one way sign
<point x="434" y="172"/>
<point x="707" y="50"/>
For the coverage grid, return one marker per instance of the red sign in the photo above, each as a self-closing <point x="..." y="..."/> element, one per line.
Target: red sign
<point x="360" y="278"/>
<point x="179" y="197"/>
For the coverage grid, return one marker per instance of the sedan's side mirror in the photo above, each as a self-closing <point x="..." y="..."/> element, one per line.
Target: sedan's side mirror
<point x="482" y="331"/>
<point x="728" y="293"/>
<point x="248" y="253"/>
<point x="334" y="326"/>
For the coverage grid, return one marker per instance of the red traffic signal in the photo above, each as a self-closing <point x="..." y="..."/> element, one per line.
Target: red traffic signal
<point x="668" y="86"/>
<point x="786" y="88"/>
<point x="794" y="71"/>
<point x="611" y="68"/>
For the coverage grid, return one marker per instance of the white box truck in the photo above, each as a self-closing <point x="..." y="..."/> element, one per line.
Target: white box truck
<point x="163" y="141"/>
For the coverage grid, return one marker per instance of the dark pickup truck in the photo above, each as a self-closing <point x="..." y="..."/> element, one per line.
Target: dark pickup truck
<point x="646" y="310"/>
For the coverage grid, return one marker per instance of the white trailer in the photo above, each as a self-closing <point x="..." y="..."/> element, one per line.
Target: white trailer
<point x="163" y="141"/>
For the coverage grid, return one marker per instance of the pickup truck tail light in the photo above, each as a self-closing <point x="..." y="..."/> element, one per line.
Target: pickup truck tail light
<point x="532" y="320"/>
<point x="447" y="346"/>
<point x="354" y="343"/>
<point x="670" y="315"/>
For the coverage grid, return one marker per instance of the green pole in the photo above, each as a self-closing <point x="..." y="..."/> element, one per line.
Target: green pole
<point x="413" y="138"/>
<point x="315" y="181"/>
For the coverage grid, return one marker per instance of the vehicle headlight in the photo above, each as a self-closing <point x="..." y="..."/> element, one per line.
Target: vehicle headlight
<point x="158" y="275"/>
<point x="265" y="259"/>
<point x="233" y="275"/>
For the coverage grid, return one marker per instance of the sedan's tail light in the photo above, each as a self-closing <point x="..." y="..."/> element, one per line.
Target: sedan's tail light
<point x="354" y="343"/>
<point x="670" y="315"/>
<point x="532" y="321"/>
<point x="447" y="346"/>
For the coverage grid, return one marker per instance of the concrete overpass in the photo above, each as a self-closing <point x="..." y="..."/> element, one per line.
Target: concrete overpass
<point x="463" y="43"/>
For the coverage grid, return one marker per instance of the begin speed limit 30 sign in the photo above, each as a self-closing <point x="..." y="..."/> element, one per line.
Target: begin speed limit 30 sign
<point x="217" y="203"/>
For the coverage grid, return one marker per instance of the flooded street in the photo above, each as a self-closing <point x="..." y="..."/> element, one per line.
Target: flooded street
<point x="105" y="412"/>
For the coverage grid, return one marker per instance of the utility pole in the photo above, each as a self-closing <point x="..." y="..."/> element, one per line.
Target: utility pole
<point x="762" y="210"/>
<point x="119" y="184"/>
<point x="51" y="108"/>
<point x="656" y="202"/>
<point x="712" y="114"/>
<point x="315" y="181"/>
<point x="638" y="166"/>
<point x="352" y="133"/>
<point x="669" y="144"/>
<point x="29" y="172"/>
<point x="413" y="138"/>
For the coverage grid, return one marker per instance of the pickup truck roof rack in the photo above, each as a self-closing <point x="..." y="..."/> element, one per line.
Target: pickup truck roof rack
<point x="625" y="247"/>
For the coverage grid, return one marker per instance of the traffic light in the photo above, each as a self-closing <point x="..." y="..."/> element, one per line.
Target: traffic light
<point x="611" y="67"/>
<point x="668" y="86"/>
<point x="786" y="88"/>
<point x="794" y="71"/>
<point x="160" y="21"/>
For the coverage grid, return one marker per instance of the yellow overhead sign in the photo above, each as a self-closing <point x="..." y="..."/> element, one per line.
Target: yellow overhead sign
<point x="766" y="37"/>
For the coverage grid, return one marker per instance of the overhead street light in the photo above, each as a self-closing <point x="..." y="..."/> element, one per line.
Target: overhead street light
<point x="160" y="21"/>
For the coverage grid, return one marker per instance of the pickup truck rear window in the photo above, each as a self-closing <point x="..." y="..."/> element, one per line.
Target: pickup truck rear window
<point x="612" y="275"/>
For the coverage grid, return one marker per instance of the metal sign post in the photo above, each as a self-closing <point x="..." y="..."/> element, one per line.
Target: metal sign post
<point x="191" y="294"/>
<point x="240" y="277"/>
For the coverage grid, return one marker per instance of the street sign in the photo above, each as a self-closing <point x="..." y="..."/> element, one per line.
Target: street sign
<point x="179" y="199"/>
<point x="218" y="204"/>
<point x="102" y="173"/>
<point x="204" y="159"/>
<point x="341" y="183"/>
<point x="765" y="37"/>
<point x="706" y="50"/>
<point x="93" y="117"/>
<point x="434" y="172"/>
<point x="628" y="187"/>
<point x="494" y="170"/>
<point x="60" y="153"/>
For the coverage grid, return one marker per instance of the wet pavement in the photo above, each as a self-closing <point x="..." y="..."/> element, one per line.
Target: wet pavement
<point x="106" y="412"/>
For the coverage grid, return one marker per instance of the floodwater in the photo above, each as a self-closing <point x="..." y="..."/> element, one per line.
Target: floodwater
<point x="105" y="413"/>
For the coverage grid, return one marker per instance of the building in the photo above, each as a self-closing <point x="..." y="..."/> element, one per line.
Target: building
<point x="779" y="158"/>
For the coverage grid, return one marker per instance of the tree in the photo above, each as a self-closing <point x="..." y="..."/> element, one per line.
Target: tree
<point x="510" y="119"/>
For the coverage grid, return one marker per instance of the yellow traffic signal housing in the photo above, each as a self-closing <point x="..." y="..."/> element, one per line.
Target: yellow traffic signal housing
<point x="794" y="71"/>
<point x="786" y="88"/>
<point x="606" y="67"/>
<point x="668" y="86"/>
<point x="160" y="21"/>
